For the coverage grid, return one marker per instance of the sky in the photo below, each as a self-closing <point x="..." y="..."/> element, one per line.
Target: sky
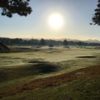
<point x="77" y="15"/>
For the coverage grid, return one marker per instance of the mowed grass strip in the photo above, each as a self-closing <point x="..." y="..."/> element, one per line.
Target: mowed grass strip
<point x="84" y="73"/>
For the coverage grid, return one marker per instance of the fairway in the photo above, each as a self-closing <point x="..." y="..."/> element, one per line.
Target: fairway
<point x="50" y="55"/>
<point x="55" y="61"/>
<point x="19" y="69"/>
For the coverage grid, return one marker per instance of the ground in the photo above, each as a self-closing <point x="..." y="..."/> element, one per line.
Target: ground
<point x="56" y="74"/>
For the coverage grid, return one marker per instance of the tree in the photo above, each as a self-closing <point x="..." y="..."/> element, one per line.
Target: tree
<point x="65" y="43"/>
<point x="10" y="7"/>
<point x="42" y="42"/>
<point x="96" y="17"/>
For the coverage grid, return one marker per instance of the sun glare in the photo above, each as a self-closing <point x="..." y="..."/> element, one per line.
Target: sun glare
<point x="55" y="21"/>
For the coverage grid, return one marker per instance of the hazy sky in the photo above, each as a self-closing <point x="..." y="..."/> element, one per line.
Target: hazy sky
<point x="76" y="15"/>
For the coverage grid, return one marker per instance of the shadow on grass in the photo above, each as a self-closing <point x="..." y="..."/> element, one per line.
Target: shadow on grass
<point x="28" y="70"/>
<point x="45" y="68"/>
<point x="86" y="57"/>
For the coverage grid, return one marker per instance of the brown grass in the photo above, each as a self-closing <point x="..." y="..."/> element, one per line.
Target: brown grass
<point x="90" y="72"/>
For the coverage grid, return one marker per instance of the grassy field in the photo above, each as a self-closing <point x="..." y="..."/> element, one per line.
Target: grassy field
<point x="56" y="74"/>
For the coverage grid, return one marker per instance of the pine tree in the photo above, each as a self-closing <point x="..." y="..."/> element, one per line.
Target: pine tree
<point x="96" y="17"/>
<point x="10" y="7"/>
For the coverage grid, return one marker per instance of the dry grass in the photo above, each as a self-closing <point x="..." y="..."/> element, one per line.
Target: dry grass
<point x="90" y="72"/>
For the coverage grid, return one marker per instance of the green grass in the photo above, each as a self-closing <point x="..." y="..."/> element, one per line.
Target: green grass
<point x="87" y="88"/>
<point x="41" y="75"/>
<point x="58" y="55"/>
<point x="39" y="68"/>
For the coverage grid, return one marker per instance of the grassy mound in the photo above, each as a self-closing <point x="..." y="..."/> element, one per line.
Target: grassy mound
<point x="27" y="70"/>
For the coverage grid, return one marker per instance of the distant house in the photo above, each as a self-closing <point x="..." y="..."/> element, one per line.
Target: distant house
<point x="3" y="48"/>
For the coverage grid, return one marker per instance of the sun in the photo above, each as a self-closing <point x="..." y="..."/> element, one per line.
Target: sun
<point x="55" y="21"/>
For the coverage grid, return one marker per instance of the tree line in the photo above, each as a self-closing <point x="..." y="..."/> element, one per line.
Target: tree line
<point x="46" y="42"/>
